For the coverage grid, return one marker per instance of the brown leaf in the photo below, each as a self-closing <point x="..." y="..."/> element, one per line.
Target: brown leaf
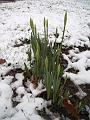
<point x="2" y="61"/>
<point x="35" y="84"/>
<point x="71" y="109"/>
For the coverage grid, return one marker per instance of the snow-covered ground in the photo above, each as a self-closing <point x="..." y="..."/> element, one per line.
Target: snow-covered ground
<point x="14" y="27"/>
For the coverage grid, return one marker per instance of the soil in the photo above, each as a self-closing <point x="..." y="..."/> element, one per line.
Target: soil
<point x="81" y="48"/>
<point x="14" y="71"/>
<point x="61" y="112"/>
<point x="88" y="68"/>
<point x="25" y="41"/>
<point x="5" y="1"/>
<point x="72" y="70"/>
<point x="14" y="103"/>
<point x="66" y="49"/>
<point x="63" y="62"/>
<point x="86" y="88"/>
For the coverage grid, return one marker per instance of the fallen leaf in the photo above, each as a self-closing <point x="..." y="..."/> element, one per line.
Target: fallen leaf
<point x="71" y="109"/>
<point x="35" y="84"/>
<point x="2" y="61"/>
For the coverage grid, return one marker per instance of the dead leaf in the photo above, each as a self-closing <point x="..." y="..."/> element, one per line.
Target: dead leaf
<point x="2" y="61"/>
<point x="35" y="84"/>
<point x="71" y="109"/>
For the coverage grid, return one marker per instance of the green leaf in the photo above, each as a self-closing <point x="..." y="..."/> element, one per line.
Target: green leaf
<point x="58" y="70"/>
<point x="27" y="70"/>
<point x="46" y="63"/>
<point x="65" y="19"/>
<point x="31" y="23"/>
<point x="38" y="52"/>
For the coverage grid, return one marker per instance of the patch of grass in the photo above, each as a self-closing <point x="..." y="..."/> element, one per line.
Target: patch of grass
<point x="45" y="64"/>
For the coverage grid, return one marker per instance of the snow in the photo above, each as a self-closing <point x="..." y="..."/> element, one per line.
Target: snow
<point x="80" y="61"/>
<point x="29" y="105"/>
<point x="4" y="89"/>
<point x="36" y="91"/>
<point x="5" y="101"/>
<point x="6" y="109"/>
<point x="80" y="78"/>
<point x="7" y="79"/>
<point x="21" y="90"/>
<point x="18" y="83"/>
<point x="14" y="28"/>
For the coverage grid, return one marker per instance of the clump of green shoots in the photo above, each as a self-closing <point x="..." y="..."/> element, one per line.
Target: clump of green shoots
<point x="39" y="47"/>
<point x="46" y="62"/>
